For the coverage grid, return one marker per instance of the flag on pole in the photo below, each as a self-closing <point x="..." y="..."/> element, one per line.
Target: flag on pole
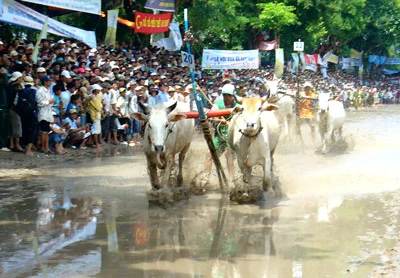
<point x="360" y="71"/>
<point x="311" y="61"/>
<point x="333" y="59"/>
<point x="279" y="62"/>
<point x="43" y="35"/>
<point x="176" y="35"/>
<point x="295" y="63"/>
<point x="112" y="17"/>
<point x="267" y="46"/>
<point x="356" y="54"/>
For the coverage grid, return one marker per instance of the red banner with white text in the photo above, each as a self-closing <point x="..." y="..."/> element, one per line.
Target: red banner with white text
<point x="311" y="61"/>
<point x="152" y="23"/>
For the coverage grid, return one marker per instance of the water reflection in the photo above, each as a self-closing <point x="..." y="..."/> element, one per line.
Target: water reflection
<point x="197" y="240"/>
<point x="207" y="236"/>
<point x="55" y="221"/>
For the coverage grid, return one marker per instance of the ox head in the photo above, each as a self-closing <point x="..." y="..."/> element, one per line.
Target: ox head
<point x="251" y="109"/>
<point x="273" y="86"/>
<point x="323" y="100"/>
<point x="158" y="125"/>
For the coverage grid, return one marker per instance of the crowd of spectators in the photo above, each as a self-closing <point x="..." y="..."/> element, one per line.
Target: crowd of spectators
<point x="78" y="97"/>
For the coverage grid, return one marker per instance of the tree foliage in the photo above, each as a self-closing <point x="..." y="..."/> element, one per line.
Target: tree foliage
<point x="276" y="16"/>
<point x="371" y="26"/>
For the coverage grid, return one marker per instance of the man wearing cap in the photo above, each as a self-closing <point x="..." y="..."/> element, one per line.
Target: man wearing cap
<point x="41" y="71"/>
<point x="75" y="133"/>
<point x="57" y="135"/>
<point x="172" y="95"/>
<point x="94" y="109"/>
<point x="133" y="107"/>
<point x="27" y="110"/>
<point x="45" y="100"/>
<point x="123" y="115"/>
<point x="64" y="79"/>
<point x="14" y="56"/>
<point x="307" y="106"/>
<point x="162" y="95"/>
<point x="185" y="95"/>
<point x="221" y="129"/>
<point x="13" y="90"/>
<point x="66" y="95"/>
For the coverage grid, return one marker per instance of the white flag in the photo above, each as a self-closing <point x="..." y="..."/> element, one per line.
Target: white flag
<point x="43" y="35"/>
<point x="176" y="35"/>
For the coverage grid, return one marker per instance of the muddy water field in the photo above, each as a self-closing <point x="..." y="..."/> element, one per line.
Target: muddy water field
<point x="86" y="214"/>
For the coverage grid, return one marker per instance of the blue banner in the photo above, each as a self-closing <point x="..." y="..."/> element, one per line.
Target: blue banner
<point x="230" y="59"/>
<point x="383" y="60"/>
<point x="161" y="5"/>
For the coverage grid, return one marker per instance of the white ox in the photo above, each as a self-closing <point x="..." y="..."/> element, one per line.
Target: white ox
<point x="167" y="133"/>
<point x="285" y="113"/>
<point x="331" y="117"/>
<point x="253" y="135"/>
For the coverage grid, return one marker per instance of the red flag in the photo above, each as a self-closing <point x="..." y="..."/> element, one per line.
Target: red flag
<point x="267" y="46"/>
<point x="311" y="61"/>
<point x="152" y="23"/>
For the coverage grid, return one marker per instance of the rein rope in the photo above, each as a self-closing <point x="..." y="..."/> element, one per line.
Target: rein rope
<point x="251" y="136"/>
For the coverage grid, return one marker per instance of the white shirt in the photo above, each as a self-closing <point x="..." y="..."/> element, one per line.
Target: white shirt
<point x="65" y="98"/>
<point x="114" y="96"/>
<point x="43" y="97"/>
<point x="107" y="100"/>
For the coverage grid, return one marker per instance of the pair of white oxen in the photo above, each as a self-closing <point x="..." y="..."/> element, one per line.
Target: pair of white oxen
<point x="253" y="135"/>
<point x="330" y="117"/>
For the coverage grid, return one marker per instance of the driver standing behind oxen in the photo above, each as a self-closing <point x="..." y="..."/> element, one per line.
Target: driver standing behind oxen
<point x="221" y="125"/>
<point x="307" y="106"/>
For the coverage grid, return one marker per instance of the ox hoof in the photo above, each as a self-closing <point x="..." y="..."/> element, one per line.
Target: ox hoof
<point x="181" y="193"/>
<point x="162" y="197"/>
<point x="200" y="183"/>
<point x="270" y="193"/>
<point x="246" y="194"/>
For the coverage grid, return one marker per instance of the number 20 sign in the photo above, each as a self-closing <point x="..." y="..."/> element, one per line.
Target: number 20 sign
<point x="187" y="59"/>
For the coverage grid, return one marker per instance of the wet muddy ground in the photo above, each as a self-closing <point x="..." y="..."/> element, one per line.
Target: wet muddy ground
<point x="86" y="213"/>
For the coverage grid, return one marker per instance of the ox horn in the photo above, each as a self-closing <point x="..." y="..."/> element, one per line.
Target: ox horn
<point x="144" y="106"/>
<point x="264" y="98"/>
<point x="170" y="108"/>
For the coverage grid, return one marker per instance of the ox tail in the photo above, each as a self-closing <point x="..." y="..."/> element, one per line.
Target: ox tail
<point x="160" y="164"/>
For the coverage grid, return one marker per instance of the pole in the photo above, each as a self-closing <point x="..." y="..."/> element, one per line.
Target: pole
<point x="223" y="182"/>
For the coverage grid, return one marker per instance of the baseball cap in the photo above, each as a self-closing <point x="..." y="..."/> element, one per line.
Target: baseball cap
<point x="228" y="89"/>
<point x="14" y="53"/>
<point x="95" y="87"/>
<point x="106" y="85"/>
<point x="66" y="74"/>
<point x="72" y="111"/>
<point x="41" y="69"/>
<point x="46" y="78"/>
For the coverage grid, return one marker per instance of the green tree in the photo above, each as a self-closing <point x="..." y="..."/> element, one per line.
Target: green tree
<point x="276" y="16"/>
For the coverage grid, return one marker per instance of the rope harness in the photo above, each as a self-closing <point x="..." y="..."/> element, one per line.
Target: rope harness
<point x="251" y="136"/>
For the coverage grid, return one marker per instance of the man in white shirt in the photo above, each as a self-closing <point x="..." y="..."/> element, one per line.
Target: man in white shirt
<point x="114" y="94"/>
<point x="66" y="95"/>
<point x="45" y="100"/>
<point x="105" y="122"/>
